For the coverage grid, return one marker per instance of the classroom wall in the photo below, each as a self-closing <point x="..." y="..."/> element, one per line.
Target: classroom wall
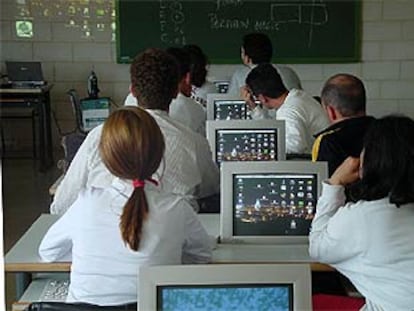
<point x="67" y="56"/>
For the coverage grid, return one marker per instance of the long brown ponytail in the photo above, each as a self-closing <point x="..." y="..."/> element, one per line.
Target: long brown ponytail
<point x="132" y="147"/>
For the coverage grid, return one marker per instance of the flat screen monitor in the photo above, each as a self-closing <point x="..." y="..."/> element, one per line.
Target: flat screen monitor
<point x="251" y="287"/>
<point x="247" y="140"/>
<point x="270" y="203"/>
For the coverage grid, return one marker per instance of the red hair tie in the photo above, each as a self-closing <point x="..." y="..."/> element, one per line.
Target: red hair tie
<point x="141" y="183"/>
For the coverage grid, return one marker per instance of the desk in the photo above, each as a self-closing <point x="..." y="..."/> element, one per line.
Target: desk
<point x="23" y="257"/>
<point x="38" y="99"/>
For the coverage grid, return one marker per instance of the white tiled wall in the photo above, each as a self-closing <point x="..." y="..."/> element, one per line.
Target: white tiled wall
<point x="387" y="65"/>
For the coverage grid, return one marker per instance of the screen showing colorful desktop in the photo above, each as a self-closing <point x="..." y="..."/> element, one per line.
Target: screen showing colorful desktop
<point x="273" y="204"/>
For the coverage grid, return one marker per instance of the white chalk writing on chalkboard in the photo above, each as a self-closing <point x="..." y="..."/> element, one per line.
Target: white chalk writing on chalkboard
<point x="226" y="3"/>
<point x="281" y="13"/>
<point x="313" y="14"/>
<point x="172" y="20"/>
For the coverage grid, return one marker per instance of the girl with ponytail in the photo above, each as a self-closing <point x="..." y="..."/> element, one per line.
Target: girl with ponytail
<point x="110" y="232"/>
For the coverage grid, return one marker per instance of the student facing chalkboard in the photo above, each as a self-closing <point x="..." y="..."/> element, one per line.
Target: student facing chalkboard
<point x="257" y="49"/>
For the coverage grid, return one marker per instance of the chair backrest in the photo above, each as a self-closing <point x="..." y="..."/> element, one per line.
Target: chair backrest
<point x="76" y="108"/>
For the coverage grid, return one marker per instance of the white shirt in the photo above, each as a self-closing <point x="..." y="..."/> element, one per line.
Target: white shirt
<point x="289" y="77"/>
<point x="104" y="270"/>
<point x="187" y="168"/>
<point x="189" y="113"/>
<point x="130" y="100"/>
<point x="370" y="242"/>
<point x="303" y="116"/>
<point x="199" y="94"/>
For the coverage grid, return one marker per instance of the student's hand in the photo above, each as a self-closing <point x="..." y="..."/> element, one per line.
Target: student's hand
<point x="247" y="97"/>
<point x="346" y="173"/>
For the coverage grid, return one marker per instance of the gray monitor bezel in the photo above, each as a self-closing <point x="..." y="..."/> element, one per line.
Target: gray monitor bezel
<point x="229" y="169"/>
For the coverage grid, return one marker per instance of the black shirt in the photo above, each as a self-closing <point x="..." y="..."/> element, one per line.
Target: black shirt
<point x="340" y="140"/>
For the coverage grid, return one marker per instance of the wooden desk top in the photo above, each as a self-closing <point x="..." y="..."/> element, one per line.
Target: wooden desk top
<point x="24" y="257"/>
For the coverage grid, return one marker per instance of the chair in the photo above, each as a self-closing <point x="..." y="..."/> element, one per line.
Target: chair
<point x="62" y="306"/>
<point x="77" y="111"/>
<point x="72" y="140"/>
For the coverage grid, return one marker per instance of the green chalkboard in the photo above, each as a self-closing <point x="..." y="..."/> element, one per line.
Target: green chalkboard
<point x="307" y="31"/>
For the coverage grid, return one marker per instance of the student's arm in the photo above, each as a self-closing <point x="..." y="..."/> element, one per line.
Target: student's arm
<point x="197" y="247"/>
<point x="77" y="174"/>
<point x="256" y="112"/>
<point x="333" y="237"/>
<point x="209" y="172"/>
<point x="56" y="245"/>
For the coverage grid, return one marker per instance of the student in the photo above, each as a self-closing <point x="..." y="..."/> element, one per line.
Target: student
<point x="183" y="108"/>
<point x="187" y="169"/>
<point x="344" y="100"/>
<point x="257" y="49"/>
<point x="198" y="72"/>
<point x="112" y="231"/>
<point x="370" y="239"/>
<point x="303" y="115"/>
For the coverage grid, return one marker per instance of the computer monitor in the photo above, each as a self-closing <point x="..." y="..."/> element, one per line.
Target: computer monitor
<point x="94" y="111"/>
<point x="222" y="86"/>
<point x="226" y="107"/>
<point x="253" y="287"/>
<point x="269" y="203"/>
<point x="247" y="140"/>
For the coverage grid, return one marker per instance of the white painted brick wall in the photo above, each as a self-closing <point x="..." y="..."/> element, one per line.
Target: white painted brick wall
<point x="397" y="90"/>
<point x="381" y="31"/>
<point x="381" y="70"/>
<point x="16" y="51"/>
<point x="407" y="71"/>
<point x="408" y="30"/>
<point x="398" y="10"/>
<point x="397" y="50"/>
<point x="371" y="10"/>
<point x="387" y="65"/>
<point x="96" y="52"/>
<point x="52" y="51"/>
<point x="371" y="50"/>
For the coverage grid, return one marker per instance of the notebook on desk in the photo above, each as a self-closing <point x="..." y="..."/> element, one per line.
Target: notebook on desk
<point x="25" y="74"/>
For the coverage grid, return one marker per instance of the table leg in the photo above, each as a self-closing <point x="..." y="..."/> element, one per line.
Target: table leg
<point x="45" y="135"/>
<point x="48" y="130"/>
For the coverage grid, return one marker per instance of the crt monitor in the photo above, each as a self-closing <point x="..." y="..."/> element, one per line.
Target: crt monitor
<point x="222" y="86"/>
<point x="246" y="140"/>
<point x="252" y="287"/>
<point x="94" y="111"/>
<point x="226" y="107"/>
<point x="269" y="203"/>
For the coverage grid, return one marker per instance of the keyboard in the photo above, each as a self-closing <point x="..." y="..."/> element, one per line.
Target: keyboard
<point x="55" y="290"/>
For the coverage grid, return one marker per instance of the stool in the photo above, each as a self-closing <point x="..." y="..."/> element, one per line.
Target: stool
<point x="18" y="114"/>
